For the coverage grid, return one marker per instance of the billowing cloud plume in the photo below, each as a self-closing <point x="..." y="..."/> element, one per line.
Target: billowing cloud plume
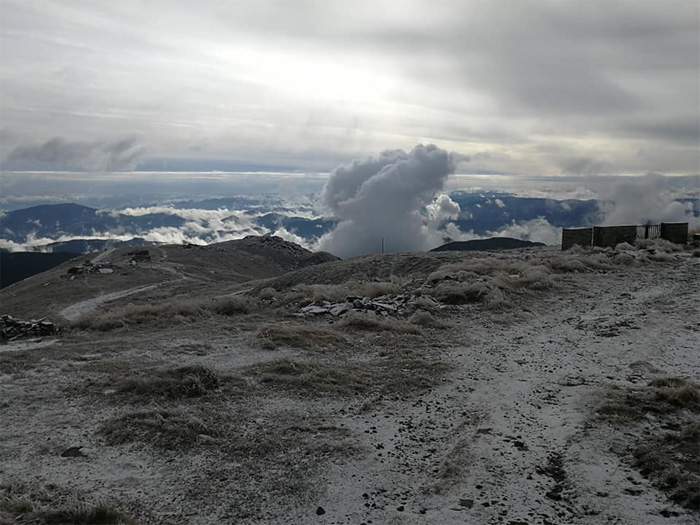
<point x="442" y="208"/>
<point x="61" y="154"/>
<point x="644" y="199"/>
<point x="382" y="197"/>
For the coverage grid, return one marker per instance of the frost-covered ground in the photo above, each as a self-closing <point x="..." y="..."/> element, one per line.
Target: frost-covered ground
<point x="484" y="415"/>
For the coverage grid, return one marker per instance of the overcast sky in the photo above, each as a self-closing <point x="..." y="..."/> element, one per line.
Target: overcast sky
<point x="521" y="87"/>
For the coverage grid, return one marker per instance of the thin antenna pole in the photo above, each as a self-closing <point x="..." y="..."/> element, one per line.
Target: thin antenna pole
<point x="382" y="244"/>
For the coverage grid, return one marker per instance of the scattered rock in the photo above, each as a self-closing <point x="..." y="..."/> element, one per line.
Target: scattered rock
<point x="320" y="511"/>
<point x="89" y="268"/>
<point x="520" y="445"/>
<point x="554" y="494"/>
<point x="73" y="452"/>
<point x="393" y="305"/>
<point x="11" y="328"/>
<point x="139" y="256"/>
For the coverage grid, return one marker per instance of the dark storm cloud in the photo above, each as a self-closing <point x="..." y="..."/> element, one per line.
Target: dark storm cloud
<point x="61" y="154"/>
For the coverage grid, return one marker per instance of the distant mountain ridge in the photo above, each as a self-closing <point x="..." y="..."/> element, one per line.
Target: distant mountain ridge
<point x="217" y="267"/>
<point x="74" y="227"/>
<point x="51" y="221"/>
<point x="494" y="243"/>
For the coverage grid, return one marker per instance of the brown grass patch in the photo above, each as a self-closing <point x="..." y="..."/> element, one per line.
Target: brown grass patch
<point x="165" y="314"/>
<point x="188" y="381"/>
<point x="49" y="504"/>
<point x="487" y="293"/>
<point x="229" y="306"/>
<point x="673" y="464"/>
<point x="271" y="337"/>
<point x="373" y="323"/>
<point x="389" y="375"/>
<point x="670" y="458"/>
<point x="660" y="397"/>
<point x="163" y="429"/>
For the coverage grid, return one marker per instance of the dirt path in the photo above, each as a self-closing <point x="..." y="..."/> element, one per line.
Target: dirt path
<point x="75" y="311"/>
<point x="512" y="425"/>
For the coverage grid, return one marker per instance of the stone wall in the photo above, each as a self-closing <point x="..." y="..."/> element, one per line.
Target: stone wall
<point x="611" y="236"/>
<point x="676" y="232"/>
<point x="571" y="236"/>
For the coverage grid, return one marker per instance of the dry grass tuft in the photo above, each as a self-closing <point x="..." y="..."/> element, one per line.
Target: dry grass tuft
<point x="390" y="375"/>
<point x="658" y="244"/>
<point x="162" y="314"/>
<point x="307" y="376"/>
<point x="673" y="465"/>
<point x="271" y="337"/>
<point x="660" y="397"/>
<point x="189" y="381"/>
<point x="267" y="294"/>
<point x="672" y="459"/>
<point x="373" y="323"/>
<point x="487" y="293"/>
<point x="683" y="397"/>
<point x="309" y="293"/>
<point x="162" y="429"/>
<point x="22" y="503"/>
<point x="228" y="306"/>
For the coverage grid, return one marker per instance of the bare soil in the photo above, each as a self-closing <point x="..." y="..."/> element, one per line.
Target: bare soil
<point x="488" y="417"/>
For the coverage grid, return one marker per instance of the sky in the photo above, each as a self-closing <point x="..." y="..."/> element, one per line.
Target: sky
<point x="511" y="88"/>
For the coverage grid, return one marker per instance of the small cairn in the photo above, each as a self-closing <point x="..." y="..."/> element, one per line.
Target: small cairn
<point x="11" y="328"/>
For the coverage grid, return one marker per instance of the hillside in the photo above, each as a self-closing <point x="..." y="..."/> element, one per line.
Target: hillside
<point x="17" y="266"/>
<point x="234" y="383"/>
<point x="494" y="243"/>
<point x="170" y="269"/>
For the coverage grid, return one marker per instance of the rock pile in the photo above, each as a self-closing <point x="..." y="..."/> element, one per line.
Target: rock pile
<point x="88" y="268"/>
<point x="139" y="256"/>
<point x="11" y="328"/>
<point x="393" y="305"/>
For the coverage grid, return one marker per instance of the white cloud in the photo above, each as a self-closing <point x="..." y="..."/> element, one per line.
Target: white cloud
<point x="378" y="200"/>
<point x="535" y="230"/>
<point x="645" y="199"/>
<point x="442" y="208"/>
